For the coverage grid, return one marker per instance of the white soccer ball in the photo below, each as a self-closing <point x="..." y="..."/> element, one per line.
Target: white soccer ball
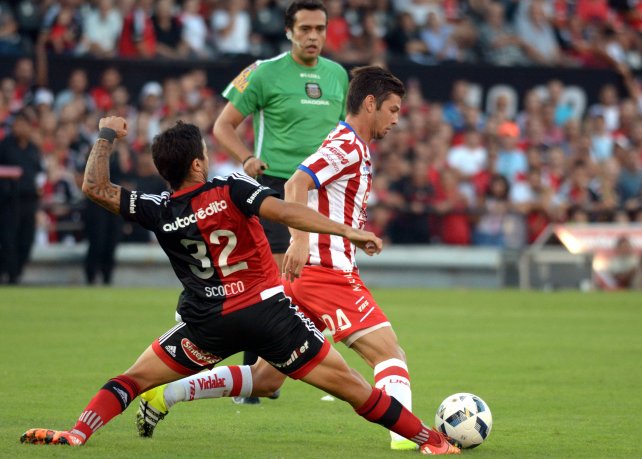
<point x="465" y="419"/>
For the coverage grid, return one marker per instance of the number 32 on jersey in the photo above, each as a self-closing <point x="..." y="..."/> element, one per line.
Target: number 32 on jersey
<point x="205" y="271"/>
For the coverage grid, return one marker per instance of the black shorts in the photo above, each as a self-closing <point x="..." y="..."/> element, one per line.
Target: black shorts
<point x="273" y="329"/>
<point x="277" y="235"/>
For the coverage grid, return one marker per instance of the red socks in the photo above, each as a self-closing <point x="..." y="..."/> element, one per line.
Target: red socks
<point x="384" y="410"/>
<point x="111" y="400"/>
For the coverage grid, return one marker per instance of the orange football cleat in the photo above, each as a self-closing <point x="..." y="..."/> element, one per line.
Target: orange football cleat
<point x="444" y="447"/>
<point x="51" y="437"/>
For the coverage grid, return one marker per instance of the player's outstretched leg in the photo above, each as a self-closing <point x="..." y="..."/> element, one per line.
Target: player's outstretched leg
<point x="260" y="380"/>
<point x="335" y="377"/>
<point x="111" y="400"/>
<point x="391" y="376"/>
<point x="381" y="350"/>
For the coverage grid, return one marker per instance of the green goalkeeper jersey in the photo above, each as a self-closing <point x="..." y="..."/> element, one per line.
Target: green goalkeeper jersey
<point x="294" y="107"/>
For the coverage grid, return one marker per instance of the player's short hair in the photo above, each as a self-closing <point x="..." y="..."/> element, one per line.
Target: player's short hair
<point x="298" y="5"/>
<point x="174" y="150"/>
<point x="375" y="81"/>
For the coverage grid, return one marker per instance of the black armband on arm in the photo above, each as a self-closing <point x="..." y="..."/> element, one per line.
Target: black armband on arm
<point x="107" y="134"/>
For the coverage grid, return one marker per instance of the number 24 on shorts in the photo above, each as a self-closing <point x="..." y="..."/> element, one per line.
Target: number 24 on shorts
<point x="342" y="321"/>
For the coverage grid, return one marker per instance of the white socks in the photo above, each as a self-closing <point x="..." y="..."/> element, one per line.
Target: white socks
<point x="392" y="377"/>
<point x="219" y="382"/>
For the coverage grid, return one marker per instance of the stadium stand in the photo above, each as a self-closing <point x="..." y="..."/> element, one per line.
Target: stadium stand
<point x="501" y="135"/>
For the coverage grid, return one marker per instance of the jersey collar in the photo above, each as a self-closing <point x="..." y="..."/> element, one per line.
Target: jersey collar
<point x="186" y="190"/>
<point x="304" y="67"/>
<point x="346" y="125"/>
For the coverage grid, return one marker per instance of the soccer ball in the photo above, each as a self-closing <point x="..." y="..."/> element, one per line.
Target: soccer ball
<point x="465" y="419"/>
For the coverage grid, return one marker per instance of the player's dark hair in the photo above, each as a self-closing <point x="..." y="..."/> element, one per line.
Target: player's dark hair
<point x="371" y="81"/>
<point x="298" y="5"/>
<point x="175" y="149"/>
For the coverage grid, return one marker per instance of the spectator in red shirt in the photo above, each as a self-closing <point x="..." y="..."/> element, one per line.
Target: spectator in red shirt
<point x="452" y="210"/>
<point x="61" y="28"/>
<point x="102" y="94"/>
<point x="338" y="31"/>
<point x="138" y="38"/>
<point x="592" y="10"/>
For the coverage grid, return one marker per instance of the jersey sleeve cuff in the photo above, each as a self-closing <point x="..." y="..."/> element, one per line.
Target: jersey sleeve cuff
<point x="265" y="193"/>
<point x="308" y="171"/>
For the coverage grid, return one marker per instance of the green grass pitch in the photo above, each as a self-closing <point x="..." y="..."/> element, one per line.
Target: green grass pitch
<point x="561" y="372"/>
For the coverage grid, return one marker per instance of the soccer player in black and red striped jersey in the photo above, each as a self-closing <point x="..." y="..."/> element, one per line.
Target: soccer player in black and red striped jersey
<point x="233" y="299"/>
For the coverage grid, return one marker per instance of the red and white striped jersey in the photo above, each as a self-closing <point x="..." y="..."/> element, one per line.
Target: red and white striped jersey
<point x="342" y="172"/>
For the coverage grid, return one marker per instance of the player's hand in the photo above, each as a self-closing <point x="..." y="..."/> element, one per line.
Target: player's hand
<point x="116" y="123"/>
<point x="254" y="167"/>
<point x="366" y="241"/>
<point x="295" y="258"/>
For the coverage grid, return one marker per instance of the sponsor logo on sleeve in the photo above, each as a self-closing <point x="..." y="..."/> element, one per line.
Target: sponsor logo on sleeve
<point x="253" y="196"/>
<point x="242" y="79"/>
<point x="198" y="355"/>
<point x="335" y="157"/>
<point x="132" y="202"/>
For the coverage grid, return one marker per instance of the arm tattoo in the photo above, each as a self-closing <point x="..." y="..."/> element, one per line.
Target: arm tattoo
<point x="97" y="185"/>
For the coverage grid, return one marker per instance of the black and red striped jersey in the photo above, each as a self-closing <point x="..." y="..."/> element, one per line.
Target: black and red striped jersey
<point x="214" y="241"/>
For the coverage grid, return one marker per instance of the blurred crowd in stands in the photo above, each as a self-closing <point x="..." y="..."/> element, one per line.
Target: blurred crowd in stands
<point x="501" y="32"/>
<point x="449" y="173"/>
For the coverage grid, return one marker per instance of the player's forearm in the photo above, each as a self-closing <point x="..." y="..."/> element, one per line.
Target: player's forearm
<point x="96" y="184"/>
<point x="300" y="217"/>
<point x="296" y="191"/>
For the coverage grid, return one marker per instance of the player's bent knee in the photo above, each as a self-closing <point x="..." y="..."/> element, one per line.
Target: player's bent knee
<point x="144" y="383"/>
<point x="266" y="388"/>
<point x="266" y="380"/>
<point x="392" y="351"/>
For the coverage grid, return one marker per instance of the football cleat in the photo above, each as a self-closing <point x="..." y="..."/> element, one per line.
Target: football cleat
<point x="403" y="445"/>
<point x="275" y="395"/>
<point x="151" y="410"/>
<point x="444" y="446"/>
<point x="51" y="437"/>
<point x="246" y="400"/>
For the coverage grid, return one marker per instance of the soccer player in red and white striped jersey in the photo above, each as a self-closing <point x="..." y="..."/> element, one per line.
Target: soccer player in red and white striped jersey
<point x="336" y="182"/>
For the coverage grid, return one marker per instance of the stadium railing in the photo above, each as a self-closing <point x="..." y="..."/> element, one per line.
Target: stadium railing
<point x="402" y="266"/>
